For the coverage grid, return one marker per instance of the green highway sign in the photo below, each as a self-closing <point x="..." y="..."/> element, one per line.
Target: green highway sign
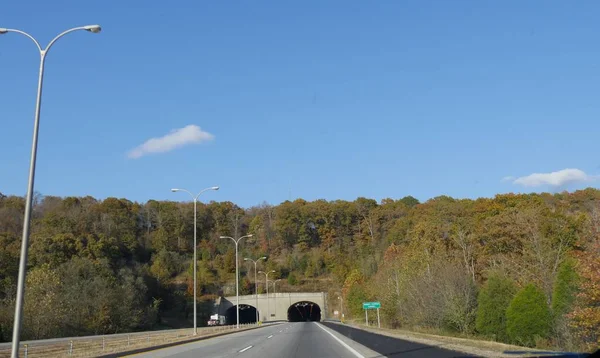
<point x="371" y="305"/>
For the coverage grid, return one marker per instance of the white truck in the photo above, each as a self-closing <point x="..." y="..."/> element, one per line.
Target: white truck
<point x="216" y="320"/>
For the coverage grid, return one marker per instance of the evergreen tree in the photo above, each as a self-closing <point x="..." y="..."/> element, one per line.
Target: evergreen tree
<point x="565" y="288"/>
<point x="528" y="316"/>
<point x="493" y="300"/>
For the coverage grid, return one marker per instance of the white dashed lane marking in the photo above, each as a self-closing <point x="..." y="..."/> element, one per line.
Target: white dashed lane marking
<point x="245" y="349"/>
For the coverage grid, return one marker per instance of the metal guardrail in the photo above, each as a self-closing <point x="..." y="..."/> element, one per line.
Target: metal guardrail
<point x="93" y="346"/>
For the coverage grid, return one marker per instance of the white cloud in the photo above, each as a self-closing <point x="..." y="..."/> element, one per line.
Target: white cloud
<point x="558" y="178"/>
<point x="508" y="178"/>
<point x="190" y="134"/>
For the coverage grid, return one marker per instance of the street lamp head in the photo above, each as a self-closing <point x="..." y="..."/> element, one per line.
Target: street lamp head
<point x="174" y="190"/>
<point x="93" y="28"/>
<point x="246" y="259"/>
<point x="261" y="272"/>
<point x="272" y="271"/>
<point x="214" y="188"/>
<point x="223" y="237"/>
<point x="250" y="235"/>
<point x="263" y="258"/>
<point x="3" y="30"/>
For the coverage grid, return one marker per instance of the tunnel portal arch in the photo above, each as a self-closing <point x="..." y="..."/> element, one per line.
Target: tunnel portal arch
<point x="247" y="314"/>
<point x="304" y="311"/>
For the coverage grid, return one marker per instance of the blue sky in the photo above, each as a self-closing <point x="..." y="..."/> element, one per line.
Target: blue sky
<point x="312" y="99"/>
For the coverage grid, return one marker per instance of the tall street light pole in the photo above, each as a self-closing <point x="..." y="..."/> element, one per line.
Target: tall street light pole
<point x="28" y="200"/>
<point x="256" y="282"/>
<point x="275" y="294"/>
<point x="267" y="285"/>
<point x="274" y="283"/>
<point x="237" y="285"/>
<point x="195" y="198"/>
<point x="341" y="308"/>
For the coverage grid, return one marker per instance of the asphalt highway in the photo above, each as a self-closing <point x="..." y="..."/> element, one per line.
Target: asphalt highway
<point x="392" y="347"/>
<point x="302" y="340"/>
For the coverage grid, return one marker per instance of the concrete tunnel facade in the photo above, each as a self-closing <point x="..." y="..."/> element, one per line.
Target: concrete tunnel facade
<point x="294" y="307"/>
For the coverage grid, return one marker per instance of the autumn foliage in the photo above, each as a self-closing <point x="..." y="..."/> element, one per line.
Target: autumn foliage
<point x="451" y="266"/>
<point x="585" y="318"/>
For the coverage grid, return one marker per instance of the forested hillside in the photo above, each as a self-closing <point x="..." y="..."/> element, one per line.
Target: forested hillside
<point x="523" y="269"/>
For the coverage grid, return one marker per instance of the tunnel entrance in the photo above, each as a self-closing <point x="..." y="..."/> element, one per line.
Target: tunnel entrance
<point x="304" y="311"/>
<point x="247" y="314"/>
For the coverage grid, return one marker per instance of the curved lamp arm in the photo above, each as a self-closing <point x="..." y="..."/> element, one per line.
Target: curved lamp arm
<point x="3" y="31"/>
<point x="91" y="28"/>
<point x="195" y="197"/>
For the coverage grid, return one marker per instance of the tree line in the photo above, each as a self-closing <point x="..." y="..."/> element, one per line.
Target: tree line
<point x="520" y="269"/>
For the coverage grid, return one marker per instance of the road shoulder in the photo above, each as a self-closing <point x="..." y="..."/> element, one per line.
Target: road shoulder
<point x="362" y="350"/>
<point x="467" y="346"/>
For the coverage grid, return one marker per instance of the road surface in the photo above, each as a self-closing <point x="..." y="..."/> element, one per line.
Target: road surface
<point x="392" y="347"/>
<point x="299" y="340"/>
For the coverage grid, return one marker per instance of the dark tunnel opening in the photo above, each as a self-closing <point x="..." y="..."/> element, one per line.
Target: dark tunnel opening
<point x="247" y="315"/>
<point x="304" y="311"/>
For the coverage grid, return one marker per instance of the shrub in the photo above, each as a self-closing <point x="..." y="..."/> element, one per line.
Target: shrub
<point x="354" y="300"/>
<point x="565" y="288"/>
<point x="528" y="317"/>
<point x="292" y="279"/>
<point x="563" y="297"/>
<point x="493" y="301"/>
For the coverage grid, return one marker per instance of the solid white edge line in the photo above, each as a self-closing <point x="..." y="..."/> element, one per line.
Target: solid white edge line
<point x="245" y="349"/>
<point x="352" y="350"/>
